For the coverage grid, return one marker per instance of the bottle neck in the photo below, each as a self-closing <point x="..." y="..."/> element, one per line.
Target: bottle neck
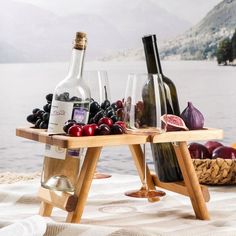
<point x="76" y="65"/>
<point x="152" y="55"/>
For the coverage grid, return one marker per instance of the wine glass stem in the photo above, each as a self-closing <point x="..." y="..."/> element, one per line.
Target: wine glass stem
<point x="145" y="167"/>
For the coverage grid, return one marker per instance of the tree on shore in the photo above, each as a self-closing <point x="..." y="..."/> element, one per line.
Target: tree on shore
<point x="224" y="52"/>
<point x="233" y="41"/>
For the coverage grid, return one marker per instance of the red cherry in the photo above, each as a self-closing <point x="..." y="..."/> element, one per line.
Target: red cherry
<point x="89" y="130"/>
<point x="67" y="126"/>
<point x="104" y="129"/>
<point x="106" y="121"/>
<point x="75" y="131"/>
<point x="95" y="127"/>
<point x="121" y="123"/>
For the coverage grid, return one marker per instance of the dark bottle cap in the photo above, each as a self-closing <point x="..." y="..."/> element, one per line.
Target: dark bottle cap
<point x="151" y="54"/>
<point x="149" y="38"/>
<point x="80" y="42"/>
<point x="149" y="42"/>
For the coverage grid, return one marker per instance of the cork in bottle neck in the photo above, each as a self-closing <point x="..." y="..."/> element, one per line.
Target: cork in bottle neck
<point x="80" y="42"/>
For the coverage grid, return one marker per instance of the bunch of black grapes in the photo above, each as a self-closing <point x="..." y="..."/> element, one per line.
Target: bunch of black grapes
<point x="40" y="118"/>
<point x="114" y="111"/>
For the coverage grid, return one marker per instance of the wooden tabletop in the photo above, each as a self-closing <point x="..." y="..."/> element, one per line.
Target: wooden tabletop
<point x="192" y="135"/>
<point x="64" y="141"/>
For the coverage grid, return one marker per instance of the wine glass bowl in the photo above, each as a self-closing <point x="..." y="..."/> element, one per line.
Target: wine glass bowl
<point x="144" y="104"/>
<point x="98" y="82"/>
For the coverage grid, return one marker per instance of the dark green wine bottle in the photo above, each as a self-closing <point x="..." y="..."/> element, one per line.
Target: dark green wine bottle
<point x="164" y="157"/>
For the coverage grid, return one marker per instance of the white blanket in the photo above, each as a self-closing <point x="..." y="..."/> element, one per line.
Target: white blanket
<point x="110" y="213"/>
<point x="32" y="226"/>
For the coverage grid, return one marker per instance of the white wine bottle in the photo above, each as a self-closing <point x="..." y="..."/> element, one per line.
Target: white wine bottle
<point x="71" y="98"/>
<point x="165" y="161"/>
<point x="71" y="101"/>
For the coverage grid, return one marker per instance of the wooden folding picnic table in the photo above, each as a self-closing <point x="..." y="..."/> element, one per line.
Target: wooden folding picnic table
<point x="74" y="203"/>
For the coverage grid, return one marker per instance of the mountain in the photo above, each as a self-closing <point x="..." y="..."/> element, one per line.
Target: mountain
<point x="22" y="28"/>
<point x="201" y="40"/>
<point x="8" y="52"/>
<point x="198" y="43"/>
<point x="138" y="17"/>
<point x="29" y="33"/>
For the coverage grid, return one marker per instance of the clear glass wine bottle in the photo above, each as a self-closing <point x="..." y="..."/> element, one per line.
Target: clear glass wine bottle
<point x="71" y="96"/>
<point x="71" y="101"/>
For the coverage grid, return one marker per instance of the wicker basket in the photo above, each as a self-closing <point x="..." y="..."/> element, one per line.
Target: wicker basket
<point x="215" y="172"/>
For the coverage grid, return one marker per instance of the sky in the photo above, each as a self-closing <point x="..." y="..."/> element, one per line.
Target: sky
<point x="190" y="10"/>
<point x="122" y="23"/>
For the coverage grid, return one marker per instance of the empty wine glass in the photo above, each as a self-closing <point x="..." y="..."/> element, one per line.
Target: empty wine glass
<point x="98" y="82"/>
<point x="143" y="106"/>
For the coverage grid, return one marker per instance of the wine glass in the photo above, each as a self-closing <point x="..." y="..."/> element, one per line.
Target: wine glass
<point x="98" y="82"/>
<point x="143" y="106"/>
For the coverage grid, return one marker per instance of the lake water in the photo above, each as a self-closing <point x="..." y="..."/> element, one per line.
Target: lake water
<point x="211" y="88"/>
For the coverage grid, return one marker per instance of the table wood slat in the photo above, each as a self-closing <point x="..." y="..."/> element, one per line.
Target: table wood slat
<point x="64" y="141"/>
<point x="192" y="135"/>
<point x="79" y="142"/>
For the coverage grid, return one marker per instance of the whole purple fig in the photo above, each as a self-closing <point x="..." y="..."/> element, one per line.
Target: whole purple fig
<point x="212" y="145"/>
<point x="192" y="117"/>
<point x="198" y="151"/>
<point x="224" y="152"/>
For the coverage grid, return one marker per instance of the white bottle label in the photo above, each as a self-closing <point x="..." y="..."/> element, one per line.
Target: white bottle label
<point x="55" y="152"/>
<point x="60" y="113"/>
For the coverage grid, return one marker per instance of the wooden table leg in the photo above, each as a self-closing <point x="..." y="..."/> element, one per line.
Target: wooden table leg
<point x="52" y="166"/>
<point x="84" y="182"/>
<point x="137" y="155"/>
<point x="45" y="209"/>
<point x="191" y="181"/>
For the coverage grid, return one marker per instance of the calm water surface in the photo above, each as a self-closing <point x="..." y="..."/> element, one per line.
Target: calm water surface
<point x="211" y="88"/>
